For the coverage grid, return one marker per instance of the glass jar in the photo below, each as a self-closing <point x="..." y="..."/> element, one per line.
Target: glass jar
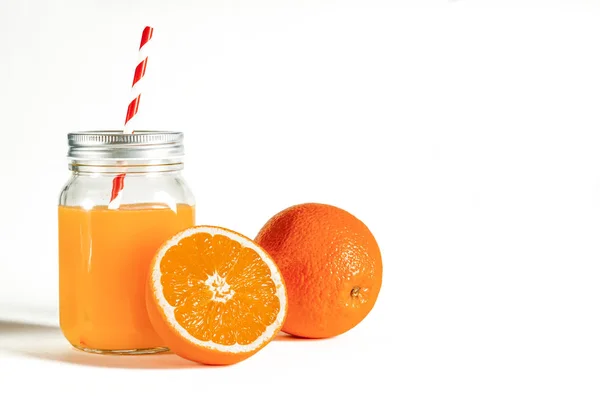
<point x="125" y="197"/>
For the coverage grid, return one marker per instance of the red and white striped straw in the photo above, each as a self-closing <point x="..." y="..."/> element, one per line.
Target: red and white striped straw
<point x="132" y="109"/>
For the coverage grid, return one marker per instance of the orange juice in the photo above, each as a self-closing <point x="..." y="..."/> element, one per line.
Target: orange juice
<point x="104" y="256"/>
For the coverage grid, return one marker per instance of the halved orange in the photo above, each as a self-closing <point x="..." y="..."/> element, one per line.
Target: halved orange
<point x="214" y="296"/>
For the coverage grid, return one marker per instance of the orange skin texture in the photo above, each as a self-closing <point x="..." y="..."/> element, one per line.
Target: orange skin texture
<point x="183" y="347"/>
<point x="331" y="265"/>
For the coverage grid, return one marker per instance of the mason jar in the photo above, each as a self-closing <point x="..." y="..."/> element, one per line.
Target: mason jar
<point x="126" y="195"/>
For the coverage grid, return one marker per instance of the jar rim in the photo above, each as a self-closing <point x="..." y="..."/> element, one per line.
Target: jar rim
<point x="115" y="145"/>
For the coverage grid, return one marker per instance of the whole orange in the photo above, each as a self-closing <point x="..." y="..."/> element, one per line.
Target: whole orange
<point x="331" y="265"/>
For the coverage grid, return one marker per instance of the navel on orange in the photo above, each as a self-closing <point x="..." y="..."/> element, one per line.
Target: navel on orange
<point x="331" y="265"/>
<point x="214" y="296"/>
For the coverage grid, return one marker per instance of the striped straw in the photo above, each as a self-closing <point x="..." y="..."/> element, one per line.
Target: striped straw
<point x="132" y="109"/>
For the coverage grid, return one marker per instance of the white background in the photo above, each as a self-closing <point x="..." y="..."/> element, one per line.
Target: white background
<point x="465" y="134"/>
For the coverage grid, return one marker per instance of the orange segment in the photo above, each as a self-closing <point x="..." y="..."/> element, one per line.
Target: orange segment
<point x="214" y="296"/>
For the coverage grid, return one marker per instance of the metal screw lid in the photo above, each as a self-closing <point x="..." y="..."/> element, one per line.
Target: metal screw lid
<point x="114" y="145"/>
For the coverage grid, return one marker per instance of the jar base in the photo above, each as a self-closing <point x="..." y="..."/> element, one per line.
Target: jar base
<point x="123" y="352"/>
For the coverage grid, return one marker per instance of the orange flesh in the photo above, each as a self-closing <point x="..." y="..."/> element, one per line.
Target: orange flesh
<point x="221" y="291"/>
<point x="104" y="257"/>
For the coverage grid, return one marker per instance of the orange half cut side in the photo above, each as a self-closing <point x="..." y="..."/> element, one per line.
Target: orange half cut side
<point x="214" y="296"/>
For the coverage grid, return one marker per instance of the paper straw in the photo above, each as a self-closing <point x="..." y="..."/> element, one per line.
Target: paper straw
<point x="132" y="109"/>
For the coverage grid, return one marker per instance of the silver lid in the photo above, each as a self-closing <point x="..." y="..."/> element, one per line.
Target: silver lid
<point x="114" y="145"/>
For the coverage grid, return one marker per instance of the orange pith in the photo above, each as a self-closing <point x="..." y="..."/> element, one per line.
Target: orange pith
<point x="218" y="300"/>
<point x="212" y="295"/>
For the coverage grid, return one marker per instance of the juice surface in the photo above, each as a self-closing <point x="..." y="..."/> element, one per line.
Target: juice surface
<point x="104" y="257"/>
